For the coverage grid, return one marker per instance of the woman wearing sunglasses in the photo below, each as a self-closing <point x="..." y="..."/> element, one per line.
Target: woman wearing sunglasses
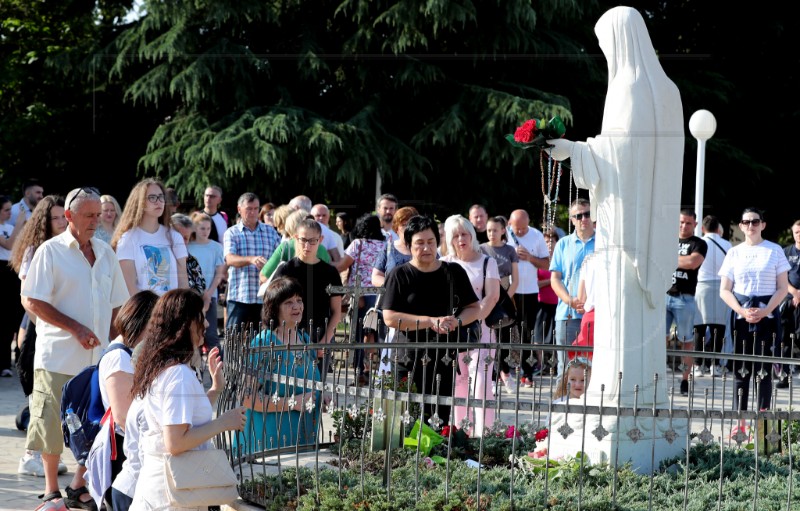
<point x="754" y="281"/>
<point x="152" y="254"/>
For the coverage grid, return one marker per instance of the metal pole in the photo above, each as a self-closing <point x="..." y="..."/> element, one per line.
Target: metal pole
<point x="698" y="186"/>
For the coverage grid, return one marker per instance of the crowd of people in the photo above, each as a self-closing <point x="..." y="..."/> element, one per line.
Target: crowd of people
<point x="144" y="284"/>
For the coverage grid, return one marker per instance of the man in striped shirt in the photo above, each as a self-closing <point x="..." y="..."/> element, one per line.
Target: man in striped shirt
<point x="248" y="246"/>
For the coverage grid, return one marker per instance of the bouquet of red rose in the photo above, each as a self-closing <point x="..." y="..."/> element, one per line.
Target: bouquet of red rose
<point x="536" y="133"/>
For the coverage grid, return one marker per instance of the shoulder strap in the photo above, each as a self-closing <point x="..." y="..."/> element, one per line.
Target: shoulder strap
<point x="718" y="245"/>
<point x="513" y="236"/>
<point x="450" y="284"/>
<point x="112" y="347"/>
<point x="485" y="265"/>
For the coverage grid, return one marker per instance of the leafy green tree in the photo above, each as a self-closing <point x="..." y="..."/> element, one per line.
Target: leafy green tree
<point x="318" y="96"/>
<point x="46" y="99"/>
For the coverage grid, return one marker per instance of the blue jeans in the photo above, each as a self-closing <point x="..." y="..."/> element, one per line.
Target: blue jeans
<point x="120" y="501"/>
<point x="681" y="309"/>
<point x="566" y="332"/>
<point x="211" y="337"/>
<point x="246" y="313"/>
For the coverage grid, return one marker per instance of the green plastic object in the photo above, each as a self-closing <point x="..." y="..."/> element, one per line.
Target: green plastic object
<point x="428" y="440"/>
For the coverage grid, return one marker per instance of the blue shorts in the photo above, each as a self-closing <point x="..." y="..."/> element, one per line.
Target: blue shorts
<point x="681" y="310"/>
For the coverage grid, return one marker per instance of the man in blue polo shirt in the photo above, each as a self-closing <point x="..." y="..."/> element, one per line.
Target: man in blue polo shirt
<point x="565" y="275"/>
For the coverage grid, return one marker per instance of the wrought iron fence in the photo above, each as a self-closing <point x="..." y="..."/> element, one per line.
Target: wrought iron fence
<point x="319" y="413"/>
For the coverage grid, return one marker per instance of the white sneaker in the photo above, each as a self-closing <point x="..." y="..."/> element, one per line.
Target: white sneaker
<point x="31" y="465"/>
<point x="6" y="373"/>
<point x="718" y="371"/>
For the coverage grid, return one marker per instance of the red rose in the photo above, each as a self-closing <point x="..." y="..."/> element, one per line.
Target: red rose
<point x="525" y="132"/>
<point x="541" y="434"/>
<point x="446" y="431"/>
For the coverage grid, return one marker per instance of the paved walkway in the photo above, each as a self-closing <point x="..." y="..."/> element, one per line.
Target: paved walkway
<point x="19" y="492"/>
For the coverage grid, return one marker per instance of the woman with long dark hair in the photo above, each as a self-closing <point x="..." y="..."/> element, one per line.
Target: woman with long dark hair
<point x="178" y="410"/>
<point x="360" y="257"/>
<point x="115" y="374"/>
<point x="47" y="220"/>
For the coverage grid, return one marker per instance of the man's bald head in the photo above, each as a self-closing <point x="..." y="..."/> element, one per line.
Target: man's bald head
<point x="321" y="213"/>
<point x="519" y="222"/>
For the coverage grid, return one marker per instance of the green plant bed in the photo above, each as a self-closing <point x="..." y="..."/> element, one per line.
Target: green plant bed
<point x="564" y="485"/>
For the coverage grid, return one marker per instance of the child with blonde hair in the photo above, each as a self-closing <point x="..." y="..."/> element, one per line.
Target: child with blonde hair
<point x="574" y="381"/>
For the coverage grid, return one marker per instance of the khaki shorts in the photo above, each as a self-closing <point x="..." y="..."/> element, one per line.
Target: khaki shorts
<point x="44" y="428"/>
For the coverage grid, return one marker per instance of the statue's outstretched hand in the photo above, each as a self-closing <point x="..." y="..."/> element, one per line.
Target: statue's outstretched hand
<point x="561" y="150"/>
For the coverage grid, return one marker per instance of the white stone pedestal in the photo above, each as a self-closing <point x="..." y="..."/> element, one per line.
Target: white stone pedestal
<point x="618" y="446"/>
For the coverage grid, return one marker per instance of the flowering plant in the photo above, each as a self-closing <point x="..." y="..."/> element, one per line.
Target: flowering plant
<point x="497" y="441"/>
<point x="536" y="133"/>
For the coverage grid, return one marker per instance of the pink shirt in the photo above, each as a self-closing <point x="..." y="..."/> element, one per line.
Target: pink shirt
<point x="546" y="293"/>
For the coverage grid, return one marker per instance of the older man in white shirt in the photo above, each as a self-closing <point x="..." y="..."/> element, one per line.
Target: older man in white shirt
<point x="74" y="287"/>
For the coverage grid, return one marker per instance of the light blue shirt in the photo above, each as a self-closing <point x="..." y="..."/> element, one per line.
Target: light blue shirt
<point x="567" y="259"/>
<point x="209" y="256"/>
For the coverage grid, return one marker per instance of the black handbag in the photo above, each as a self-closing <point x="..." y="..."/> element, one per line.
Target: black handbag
<point x="504" y="311"/>
<point x="464" y="333"/>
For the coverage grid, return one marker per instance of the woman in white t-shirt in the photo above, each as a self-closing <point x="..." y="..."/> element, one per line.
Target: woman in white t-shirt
<point x="152" y="254"/>
<point x="464" y="250"/>
<point x="47" y="221"/>
<point x="177" y="409"/>
<point x="754" y="282"/>
<point x="115" y="374"/>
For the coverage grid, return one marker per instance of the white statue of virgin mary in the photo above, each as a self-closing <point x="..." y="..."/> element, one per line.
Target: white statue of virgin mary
<point x="633" y="171"/>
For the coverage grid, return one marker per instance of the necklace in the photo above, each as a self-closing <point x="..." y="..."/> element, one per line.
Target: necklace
<point x="549" y="189"/>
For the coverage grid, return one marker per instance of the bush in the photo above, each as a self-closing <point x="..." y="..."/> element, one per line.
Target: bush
<point x="564" y="485"/>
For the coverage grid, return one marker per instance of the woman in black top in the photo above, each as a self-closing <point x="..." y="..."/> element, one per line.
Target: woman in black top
<point x="418" y="304"/>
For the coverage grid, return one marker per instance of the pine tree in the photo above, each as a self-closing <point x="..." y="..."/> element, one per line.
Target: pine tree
<point x="288" y="95"/>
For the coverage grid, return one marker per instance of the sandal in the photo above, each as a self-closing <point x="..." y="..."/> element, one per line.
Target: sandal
<point x="73" y="499"/>
<point x="53" y="501"/>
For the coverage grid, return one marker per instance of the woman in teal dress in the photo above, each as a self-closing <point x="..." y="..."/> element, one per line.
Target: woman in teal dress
<point x="281" y="415"/>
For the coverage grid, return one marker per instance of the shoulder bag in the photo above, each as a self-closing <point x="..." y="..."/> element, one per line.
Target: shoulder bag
<point x="262" y="289"/>
<point x="464" y="333"/>
<point x="374" y="315"/>
<point x="504" y="311"/>
<point x="200" y="478"/>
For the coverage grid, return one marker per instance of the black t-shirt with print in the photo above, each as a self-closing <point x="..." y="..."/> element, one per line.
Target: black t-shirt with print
<point x="685" y="281"/>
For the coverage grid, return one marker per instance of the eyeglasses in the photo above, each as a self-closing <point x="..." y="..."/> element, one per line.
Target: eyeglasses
<point x="308" y="241"/>
<point x="88" y="190"/>
<point x="756" y="222"/>
<point x="155" y="199"/>
<point x="581" y="216"/>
